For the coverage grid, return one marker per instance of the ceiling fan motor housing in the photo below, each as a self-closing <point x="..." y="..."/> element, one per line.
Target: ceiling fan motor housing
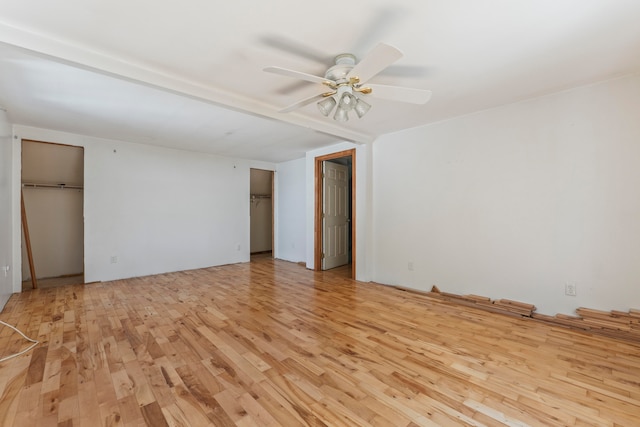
<point x="344" y="64"/>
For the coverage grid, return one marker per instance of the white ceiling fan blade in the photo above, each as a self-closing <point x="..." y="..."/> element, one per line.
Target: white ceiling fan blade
<point x="297" y="48"/>
<point x="401" y="94"/>
<point x="302" y="103"/>
<point x="377" y="60"/>
<point x="296" y="74"/>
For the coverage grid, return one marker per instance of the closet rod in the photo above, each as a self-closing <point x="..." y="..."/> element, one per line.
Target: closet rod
<point x="61" y="186"/>
<point x="260" y="196"/>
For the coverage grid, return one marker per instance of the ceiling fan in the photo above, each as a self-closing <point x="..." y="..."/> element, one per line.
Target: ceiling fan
<point x="345" y="81"/>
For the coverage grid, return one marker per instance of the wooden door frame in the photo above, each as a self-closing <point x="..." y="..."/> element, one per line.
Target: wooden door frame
<point x="317" y="232"/>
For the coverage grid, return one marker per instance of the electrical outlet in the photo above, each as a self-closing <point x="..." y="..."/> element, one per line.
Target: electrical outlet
<point x="570" y="289"/>
<point x="114" y="259"/>
<point x="410" y="266"/>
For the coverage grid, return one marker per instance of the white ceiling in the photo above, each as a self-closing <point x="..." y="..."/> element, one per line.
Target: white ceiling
<point x="189" y="74"/>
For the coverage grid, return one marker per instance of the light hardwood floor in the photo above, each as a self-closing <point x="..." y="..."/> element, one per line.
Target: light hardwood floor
<point x="271" y="343"/>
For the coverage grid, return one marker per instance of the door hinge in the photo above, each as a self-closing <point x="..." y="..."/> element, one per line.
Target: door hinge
<point x="323" y="255"/>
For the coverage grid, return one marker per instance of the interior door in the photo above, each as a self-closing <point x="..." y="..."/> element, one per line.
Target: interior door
<point x="335" y="208"/>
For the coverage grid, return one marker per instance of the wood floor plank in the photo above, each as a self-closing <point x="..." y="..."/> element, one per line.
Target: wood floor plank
<point x="269" y="343"/>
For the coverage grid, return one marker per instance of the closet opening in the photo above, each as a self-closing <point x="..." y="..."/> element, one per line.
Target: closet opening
<point x="52" y="214"/>
<point x="261" y="212"/>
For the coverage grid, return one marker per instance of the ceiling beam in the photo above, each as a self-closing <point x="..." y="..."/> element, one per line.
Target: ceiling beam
<point x="102" y="63"/>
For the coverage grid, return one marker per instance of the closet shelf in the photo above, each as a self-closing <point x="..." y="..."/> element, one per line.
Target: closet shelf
<point x="46" y="185"/>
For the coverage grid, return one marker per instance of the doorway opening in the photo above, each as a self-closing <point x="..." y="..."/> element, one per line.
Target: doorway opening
<point x="52" y="214"/>
<point x="335" y="213"/>
<point x="261" y="212"/>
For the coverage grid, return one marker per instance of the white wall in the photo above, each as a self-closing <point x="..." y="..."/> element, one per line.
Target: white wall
<point x="6" y="234"/>
<point x="517" y="201"/>
<point x="292" y="212"/>
<point x="155" y="209"/>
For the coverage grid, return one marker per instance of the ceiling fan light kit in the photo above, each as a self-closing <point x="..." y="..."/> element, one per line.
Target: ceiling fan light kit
<point x="347" y="77"/>
<point x="326" y="105"/>
<point x="347" y="101"/>
<point x="361" y="108"/>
